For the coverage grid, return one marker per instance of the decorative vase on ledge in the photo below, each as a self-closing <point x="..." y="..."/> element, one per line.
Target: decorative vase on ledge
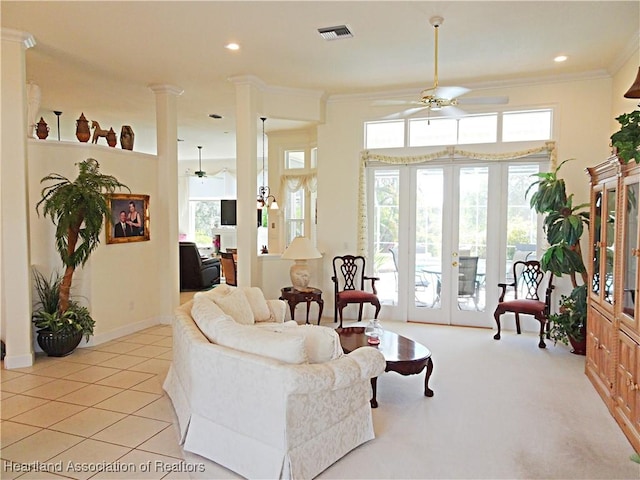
<point x="42" y="129"/>
<point x="111" y="138"/>
<point x="126" y="137"/>
<point x="82" y="129"/>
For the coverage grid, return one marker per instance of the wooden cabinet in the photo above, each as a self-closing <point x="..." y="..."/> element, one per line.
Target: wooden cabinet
<point x="627" y="390"/>
<point x="600" y="366"/>
<point x="613" y="325"/>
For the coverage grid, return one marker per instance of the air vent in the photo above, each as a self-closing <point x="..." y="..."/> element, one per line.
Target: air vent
<point x="334" y="33"/>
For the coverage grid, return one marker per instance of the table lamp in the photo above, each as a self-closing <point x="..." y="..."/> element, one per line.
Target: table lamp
<point x="300" y="250"/>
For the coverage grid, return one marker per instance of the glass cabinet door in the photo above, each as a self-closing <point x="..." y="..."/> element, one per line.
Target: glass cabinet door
<point x="607" y="278"/>
<point x="596" y="223"/>
<point x="630" y="250"/>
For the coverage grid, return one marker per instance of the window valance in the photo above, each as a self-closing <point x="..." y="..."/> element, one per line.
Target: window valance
<point x="290" y="183"/>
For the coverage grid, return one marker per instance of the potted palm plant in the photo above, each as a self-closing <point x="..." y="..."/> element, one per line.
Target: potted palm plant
<point x="78" y="209"/>
<point x="563" y="226"/>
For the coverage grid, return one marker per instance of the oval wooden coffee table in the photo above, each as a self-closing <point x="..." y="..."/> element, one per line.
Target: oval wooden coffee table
<point x="402" y="354"/>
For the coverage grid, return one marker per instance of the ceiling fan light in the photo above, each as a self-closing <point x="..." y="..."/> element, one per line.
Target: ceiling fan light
<point x="634" y="91"/>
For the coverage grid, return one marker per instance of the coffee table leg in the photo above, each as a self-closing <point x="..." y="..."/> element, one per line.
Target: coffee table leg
<point x="374" y="387"/>
<point x="427" y="391"/>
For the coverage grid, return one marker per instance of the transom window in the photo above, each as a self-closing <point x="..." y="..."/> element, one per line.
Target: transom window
<point x="514" y="126"/>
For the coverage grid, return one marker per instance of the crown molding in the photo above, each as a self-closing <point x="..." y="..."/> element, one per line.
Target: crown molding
<point x="27" y="40"/>
<point x="626" y="53"/>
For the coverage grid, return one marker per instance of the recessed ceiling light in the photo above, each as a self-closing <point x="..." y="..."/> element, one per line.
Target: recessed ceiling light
<point x="232" y="46"/>
<point x="560" y="58"/>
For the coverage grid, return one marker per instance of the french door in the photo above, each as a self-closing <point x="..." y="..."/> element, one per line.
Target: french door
<point x="445" y="234"/>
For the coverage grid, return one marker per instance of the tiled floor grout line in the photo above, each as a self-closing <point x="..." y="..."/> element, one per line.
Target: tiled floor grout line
<point x="157" y="418"/>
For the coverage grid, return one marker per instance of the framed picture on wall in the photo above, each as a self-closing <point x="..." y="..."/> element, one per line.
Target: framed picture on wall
<point x="129" y="219"/>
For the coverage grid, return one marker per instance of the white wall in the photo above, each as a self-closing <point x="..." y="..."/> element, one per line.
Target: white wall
<point x="120" y="282"/>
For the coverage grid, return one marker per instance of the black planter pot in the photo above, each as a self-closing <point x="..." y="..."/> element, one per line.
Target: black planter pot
<point x="58" y="344"/>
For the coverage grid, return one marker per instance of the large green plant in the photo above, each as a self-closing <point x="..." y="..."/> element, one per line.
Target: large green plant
<point x="627" y="139"/>
<point x="47" y="316"/>
<point x="78" y="209"/>
<point x="563" y="225"/>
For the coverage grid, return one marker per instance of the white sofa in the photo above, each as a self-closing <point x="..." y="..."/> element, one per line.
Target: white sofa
<point x="259" y="416"/>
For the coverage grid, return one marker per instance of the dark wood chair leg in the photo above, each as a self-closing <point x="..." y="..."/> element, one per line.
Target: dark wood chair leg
<point x="377" y="305"/>
<point x="541" y="344"/>
<point x="360" y="312"/>
<point x="518" y="324"/>
<point x="496" y="316"/>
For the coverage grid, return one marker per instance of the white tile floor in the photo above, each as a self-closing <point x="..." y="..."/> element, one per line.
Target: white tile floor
<point x="99" y="407"/>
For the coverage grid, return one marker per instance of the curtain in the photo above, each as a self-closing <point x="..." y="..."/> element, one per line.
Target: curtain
<point x="290" y="183"/>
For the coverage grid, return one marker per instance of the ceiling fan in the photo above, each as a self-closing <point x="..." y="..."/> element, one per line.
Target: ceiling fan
<point x="200" y="173"/>
<point x="438" y="98"/>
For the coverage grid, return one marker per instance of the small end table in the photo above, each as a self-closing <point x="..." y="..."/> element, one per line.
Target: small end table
<point x="293" y="297"/>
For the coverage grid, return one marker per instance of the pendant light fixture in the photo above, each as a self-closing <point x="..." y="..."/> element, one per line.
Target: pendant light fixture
<point x="264" y="194"/>
<point x="200" y="173"/>
<point x="634" y="90"/>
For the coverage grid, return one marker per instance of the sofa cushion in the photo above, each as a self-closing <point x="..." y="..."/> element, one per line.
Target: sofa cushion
<point x="247" y="338"/>
<point x="258" y="304"/>
<point x="236" y="305"/>
<point x="222" y="289"/>
<point x="221" y="329"/>
<point x="206" y="315"/>
<point x="321" y="344"/>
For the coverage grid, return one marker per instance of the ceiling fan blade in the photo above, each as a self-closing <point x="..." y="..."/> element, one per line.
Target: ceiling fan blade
<point x="452" y="111"/>
<point x="483" y="100"/>
<point x="449" y="92"/>
<point x="404" y="114"/>
<point x="387" y="103"/>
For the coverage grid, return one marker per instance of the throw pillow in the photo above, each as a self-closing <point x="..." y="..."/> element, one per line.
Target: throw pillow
<point x="259" y="307"/>
<point x="236" y="305"/>
<point x="207" y="315"/>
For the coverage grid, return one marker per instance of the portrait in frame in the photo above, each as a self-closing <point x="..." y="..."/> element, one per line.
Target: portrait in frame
<point x="129" y="219"/>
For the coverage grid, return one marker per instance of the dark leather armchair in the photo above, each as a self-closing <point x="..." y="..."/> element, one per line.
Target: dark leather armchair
<point x="197" y="273"/>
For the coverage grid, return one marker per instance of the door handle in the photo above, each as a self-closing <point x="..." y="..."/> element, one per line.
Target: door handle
<point x="454" y="264"/>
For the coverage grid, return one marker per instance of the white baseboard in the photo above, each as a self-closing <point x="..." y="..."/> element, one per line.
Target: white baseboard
<point x="123" y="331"/>
<point x="18" y="361"/>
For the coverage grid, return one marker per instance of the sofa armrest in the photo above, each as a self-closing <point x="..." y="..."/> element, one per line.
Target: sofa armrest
<point x="370" y="360"/>
<point x="278" y="310"/>
<point x="361" y="364"/>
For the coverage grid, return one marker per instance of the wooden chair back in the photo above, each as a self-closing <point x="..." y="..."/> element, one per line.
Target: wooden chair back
<point x="229" y="268"/>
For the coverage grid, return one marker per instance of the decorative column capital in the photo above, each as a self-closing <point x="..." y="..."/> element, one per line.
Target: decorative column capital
<point x="166" y="88"/>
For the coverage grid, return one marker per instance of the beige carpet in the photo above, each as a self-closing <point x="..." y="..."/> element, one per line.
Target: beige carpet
<point x="502" y="409"/>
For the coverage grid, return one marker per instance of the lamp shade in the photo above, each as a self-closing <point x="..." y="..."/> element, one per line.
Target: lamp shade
<point x="634" y="91"/>
<point x="301" y="249"/>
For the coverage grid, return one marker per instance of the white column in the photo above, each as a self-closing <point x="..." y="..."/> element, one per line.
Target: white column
<point x="247" y="99"/>
<point x="15" y="285"/>
<point x="164" y="209"/>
